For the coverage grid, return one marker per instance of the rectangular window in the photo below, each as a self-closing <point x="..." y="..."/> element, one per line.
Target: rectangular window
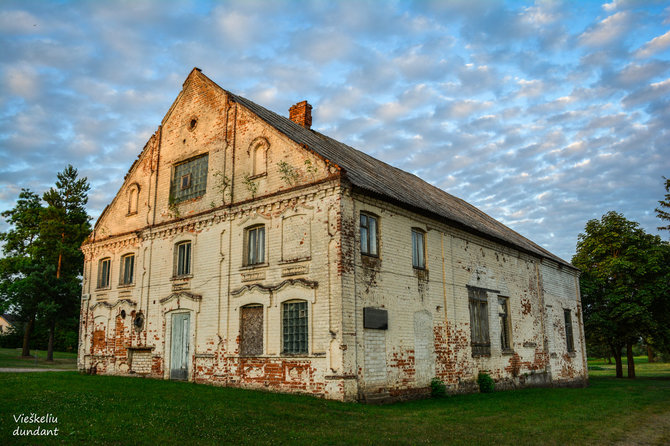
<point x="127" y="269"/>
<point x="189" y="179"/>
<point x="503" y="316"/>
<point x="183" y="259"/>
<point x="479" y="322"/>
<point x="294" y="327"/>
<point x="103" y="273"/>
<point x="568" y="331"/>
<point x="256" y="245"/>
<point x="418" y="249"/>
<point x="369" y="235"/>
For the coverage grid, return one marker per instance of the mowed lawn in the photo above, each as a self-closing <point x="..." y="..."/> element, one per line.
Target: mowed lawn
<point x="117" y="410"/>
<point x="11" y="357"/>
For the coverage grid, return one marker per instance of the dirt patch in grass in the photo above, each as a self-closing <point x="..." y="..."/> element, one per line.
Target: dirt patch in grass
<point x="654" y="430"/>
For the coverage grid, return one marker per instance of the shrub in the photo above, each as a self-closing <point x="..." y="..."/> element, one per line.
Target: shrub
<point x="437" y="388"/>
<point x="486" y="384"/>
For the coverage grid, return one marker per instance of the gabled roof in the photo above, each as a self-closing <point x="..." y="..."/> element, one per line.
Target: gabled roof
<point x="10" y="318"/>
<point x="377" y="178"/>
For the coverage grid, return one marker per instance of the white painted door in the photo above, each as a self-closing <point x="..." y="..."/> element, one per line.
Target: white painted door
<point x="179" y="346"/>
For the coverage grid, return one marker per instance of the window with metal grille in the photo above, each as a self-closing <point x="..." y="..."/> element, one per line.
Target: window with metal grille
<point x="418" y="249"/>
<point x="127" y="269"/>
<point x="189" y="179"/>
<point x="103" y="272"/>
<point x="294" y="327"/>
<point x="255" y="245"/>
<point x="182" y="259"/>
<point x="369" y="235"/>
<point x="568" y="330"/>
<point x="479" y="322"/>
<point x="503" y="316"/>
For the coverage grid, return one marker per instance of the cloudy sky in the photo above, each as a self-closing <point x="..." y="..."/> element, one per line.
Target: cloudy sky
<point x="544" y="114"/>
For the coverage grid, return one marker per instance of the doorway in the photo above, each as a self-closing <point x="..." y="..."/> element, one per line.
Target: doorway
<point x="179" y="346"/>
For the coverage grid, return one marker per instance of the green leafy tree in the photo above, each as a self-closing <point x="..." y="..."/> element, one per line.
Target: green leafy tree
<point x="624" y="285"/>
<point x="21" y="274"/>
<point x="663" y="211"/>
<point x="40" y="272"/>
<point x="63" y="227"/>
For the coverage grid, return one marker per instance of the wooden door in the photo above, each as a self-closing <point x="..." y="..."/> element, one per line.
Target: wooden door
<point x="179" y="346"/>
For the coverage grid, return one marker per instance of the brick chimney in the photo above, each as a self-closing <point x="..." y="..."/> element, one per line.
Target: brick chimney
<point x="301" y="113"/>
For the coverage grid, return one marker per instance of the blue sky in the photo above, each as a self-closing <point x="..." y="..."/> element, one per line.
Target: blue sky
<point x="544" y="114"/>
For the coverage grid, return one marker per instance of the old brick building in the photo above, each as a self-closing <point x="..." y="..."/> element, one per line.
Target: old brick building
<point x="246" y="249"/>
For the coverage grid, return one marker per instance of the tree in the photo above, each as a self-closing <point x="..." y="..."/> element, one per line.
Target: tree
<point x="63" y="227"/>
<point x="660" y="212"/>
<point x="40" y="273"/>
<point x="624" y="285"/>
<point x="20" y="271"/>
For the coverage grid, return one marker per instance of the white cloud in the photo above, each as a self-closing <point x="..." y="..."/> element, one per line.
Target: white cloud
<point x="655" y="45"/>
<point x="646" y="94"/>
<point x="20" y="22"/>
<point x="23" y="80"/>
<point x="498" y="101"/>
<point x="609" y="30"/>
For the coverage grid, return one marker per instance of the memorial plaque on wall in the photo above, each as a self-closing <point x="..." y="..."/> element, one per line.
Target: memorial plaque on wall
<point x="375" y="318"/>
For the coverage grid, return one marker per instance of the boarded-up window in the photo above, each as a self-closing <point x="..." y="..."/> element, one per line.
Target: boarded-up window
<point x="189" y="179"/>
<point x="503" y="316"/>
<point x="251" y="330"/>
<point x="294" y="327"/>
<point x="568" y="331"/>
<point x="479" y="322"/>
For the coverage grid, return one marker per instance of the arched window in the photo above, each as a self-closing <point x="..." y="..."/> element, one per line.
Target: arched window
<point x="295" y="330"/>
<point x="182" y="258"/>
<point x="133" y="198"/>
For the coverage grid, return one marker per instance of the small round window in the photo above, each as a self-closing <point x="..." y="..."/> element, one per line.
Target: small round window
<point x="192" y="123"/>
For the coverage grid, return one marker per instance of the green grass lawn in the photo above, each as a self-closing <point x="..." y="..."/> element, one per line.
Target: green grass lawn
<point x="11" y="357"/>
<point x="118" y="410"/>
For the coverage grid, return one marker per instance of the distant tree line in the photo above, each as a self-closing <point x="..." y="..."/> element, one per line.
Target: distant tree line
<point x="41" y="267"/>
<point x="625" y="286"/>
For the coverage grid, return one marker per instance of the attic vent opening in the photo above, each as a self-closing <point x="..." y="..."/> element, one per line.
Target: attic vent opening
<point x="193" y="123"/>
